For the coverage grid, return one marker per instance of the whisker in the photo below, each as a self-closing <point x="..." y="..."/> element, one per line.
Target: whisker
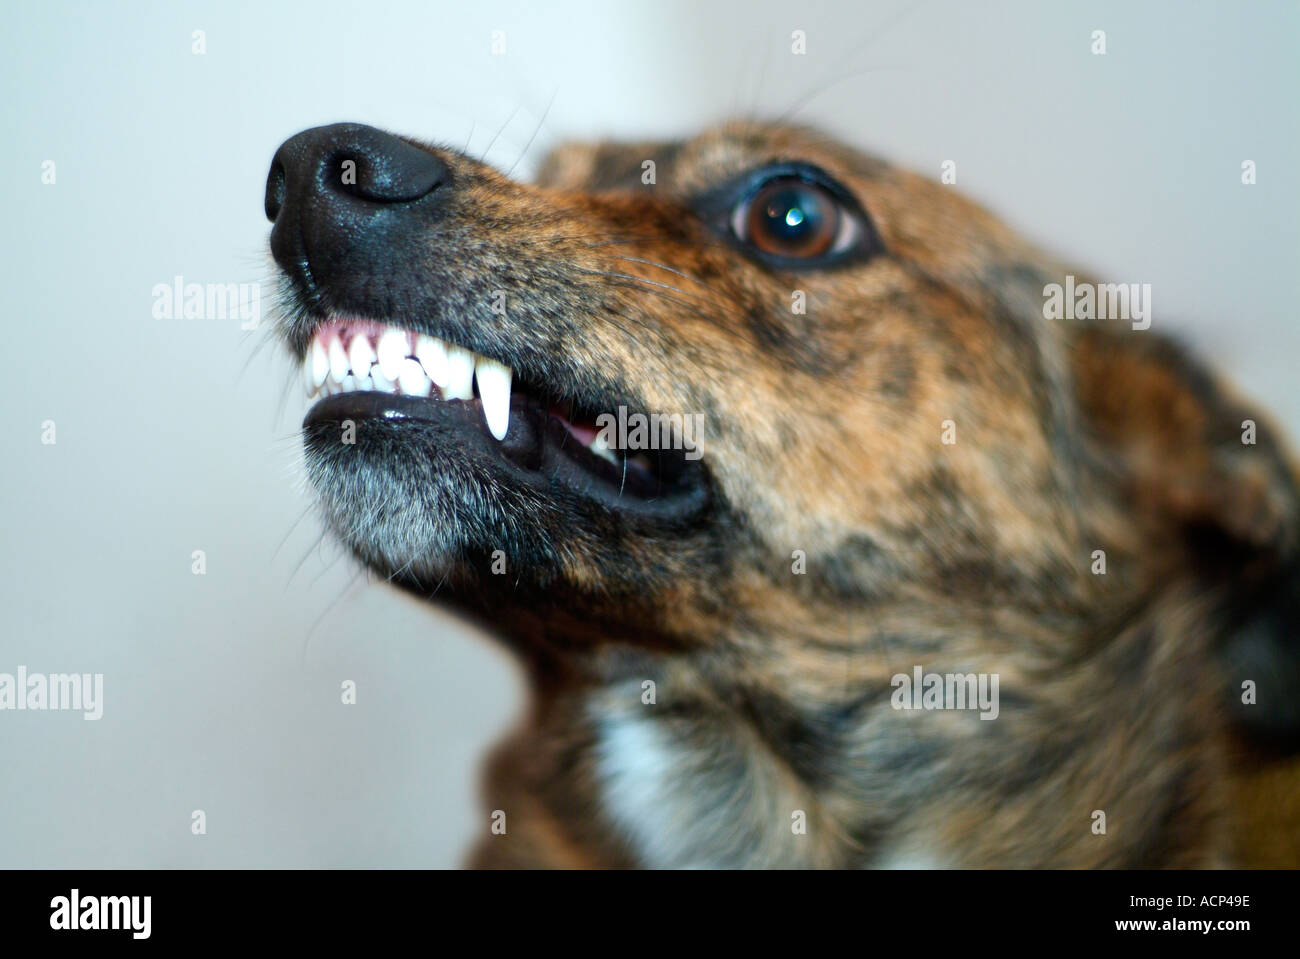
<point x="502" y="129"/>
<point x="692" y="242"/>
<point x="344" y="593"/>
<point x="292" y="527"/>
<point x="528" y="145"/>
<point x="817" y="91"/>
<point x="293" y="574"/>
<point x="873" y="35"/>
<point x="632" y="277"/>
<point x="666" y="268"/>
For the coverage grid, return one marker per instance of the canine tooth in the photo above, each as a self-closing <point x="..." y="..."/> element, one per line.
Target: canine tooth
<point x="380" y="381"/>
<point x="393" y="347"/>
<point x="494" y="389"/>
<point x="460" y="374"/>
<point x="360" y="354"/>
<point x="318" y="362"/>
<point x="363" y="384"/>
<point x="601" y="448"/>
<point x="307" y="378"/>
<point x="338" y="361"/>
<point x="432" y="354"/>
<point x="411" y="378"/>
<point x="349" y="384"/>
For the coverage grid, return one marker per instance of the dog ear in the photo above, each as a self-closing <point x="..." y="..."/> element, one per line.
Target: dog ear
<point x="1203" y="467"/>
<point x="567" y="166"/>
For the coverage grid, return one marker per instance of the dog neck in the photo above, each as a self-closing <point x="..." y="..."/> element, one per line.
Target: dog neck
<point x="731" y="754"/>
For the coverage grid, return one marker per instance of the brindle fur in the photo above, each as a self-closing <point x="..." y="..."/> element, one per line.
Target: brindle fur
<point x="823" y="434"/>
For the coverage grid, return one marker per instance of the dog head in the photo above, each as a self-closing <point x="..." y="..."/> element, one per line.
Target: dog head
<point x="848" y="391"/>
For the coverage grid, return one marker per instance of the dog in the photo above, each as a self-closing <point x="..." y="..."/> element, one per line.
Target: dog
<point x="904" y="468"/>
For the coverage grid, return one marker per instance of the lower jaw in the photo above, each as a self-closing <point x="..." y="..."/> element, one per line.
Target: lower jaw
<point x="537" y="450"/>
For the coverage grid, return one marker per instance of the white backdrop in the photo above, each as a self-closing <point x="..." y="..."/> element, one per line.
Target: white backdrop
<point x="222" y="690"/>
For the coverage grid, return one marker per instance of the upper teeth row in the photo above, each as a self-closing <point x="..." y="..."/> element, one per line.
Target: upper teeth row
<point x="399" y="361"/>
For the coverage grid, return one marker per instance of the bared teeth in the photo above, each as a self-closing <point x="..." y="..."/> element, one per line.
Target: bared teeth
<point x="381" y="382"/>
<point x="460" y="374"/>
<point x="411" y="378"/>
<point x="360" y="355"/>
<point x="432" y="354"/>
<point x="494" y="390"/>
<point x="318" y="362"/>
<point x="601" y="448"/>
<point x="393" y="347"/>
<point x="347" y="356"/>
<point x="338" y="361"/>
<point x="344" y="358"/>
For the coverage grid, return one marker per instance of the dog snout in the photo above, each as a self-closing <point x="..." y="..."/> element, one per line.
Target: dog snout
<point x="334" y="190"/>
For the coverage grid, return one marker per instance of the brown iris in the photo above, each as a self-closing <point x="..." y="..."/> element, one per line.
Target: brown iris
<point x="792" y="218"/>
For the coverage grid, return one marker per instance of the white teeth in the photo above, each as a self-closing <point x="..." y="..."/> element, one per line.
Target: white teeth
<point x="432" y="354"/>
<point x="601" y="448"/>
<point x="319" y="363"/>
<point x="411" y="378"/>
<point x="393" y="347"/>
<point x="380" y="381"/>
<point x="494" y="390"/>
<point x="360" y="354"/>
<point x="338" y="361"/>
<point x="386" y="367"/>
<point x="460" y="374"/>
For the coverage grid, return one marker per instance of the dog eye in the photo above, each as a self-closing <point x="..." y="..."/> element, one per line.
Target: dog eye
<point x="791" y="218"/>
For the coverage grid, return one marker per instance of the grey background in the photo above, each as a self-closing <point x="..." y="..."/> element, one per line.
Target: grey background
<point x="222" y="691"/>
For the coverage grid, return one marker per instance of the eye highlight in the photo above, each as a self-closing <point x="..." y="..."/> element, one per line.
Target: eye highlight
<point x="794" y="216"/>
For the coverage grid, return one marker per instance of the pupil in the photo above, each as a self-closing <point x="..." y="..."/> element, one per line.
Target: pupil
<point x="794" y="214"/>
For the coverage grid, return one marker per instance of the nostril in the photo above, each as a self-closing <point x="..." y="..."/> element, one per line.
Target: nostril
<point x="275" y="185"/>
<point x="383" y="169"/>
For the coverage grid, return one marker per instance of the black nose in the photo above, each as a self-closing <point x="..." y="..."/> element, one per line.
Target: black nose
<point x="334" y="186"/>
<point x="348" y="160"/>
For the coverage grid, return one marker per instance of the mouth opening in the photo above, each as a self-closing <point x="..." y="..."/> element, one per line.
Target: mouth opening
<point x="356" y="368"/>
